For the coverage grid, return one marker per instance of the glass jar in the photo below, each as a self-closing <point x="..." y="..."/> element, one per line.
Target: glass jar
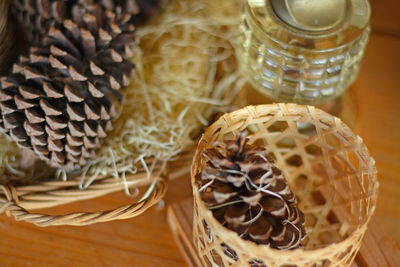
<point x="304" y="51"/>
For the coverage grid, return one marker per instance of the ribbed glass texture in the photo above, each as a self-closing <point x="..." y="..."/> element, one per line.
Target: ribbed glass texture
<point x="293" y="66"/>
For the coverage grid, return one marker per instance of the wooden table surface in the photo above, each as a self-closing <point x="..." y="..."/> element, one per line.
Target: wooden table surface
<point x="147" y="240"/>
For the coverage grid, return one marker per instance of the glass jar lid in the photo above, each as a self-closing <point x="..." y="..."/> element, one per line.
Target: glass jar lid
<point x="311" y="24"/>
<point x="311" y="15"/>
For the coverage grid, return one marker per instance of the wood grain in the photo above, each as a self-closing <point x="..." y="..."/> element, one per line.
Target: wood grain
<point x="147" y="241"/>
<point x="385" y="18"/>
<point x="378" y="249"/>
<point x="378" y="96"/>
<point x="143" y="241"/>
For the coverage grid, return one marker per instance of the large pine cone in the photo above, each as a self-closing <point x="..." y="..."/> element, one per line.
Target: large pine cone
<point x="62" y="99"/>
<point x="249" y="195"/>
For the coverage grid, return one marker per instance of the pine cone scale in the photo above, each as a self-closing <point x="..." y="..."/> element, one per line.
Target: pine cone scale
<point x="261" y="230"/>
<point x="236" y="215"/>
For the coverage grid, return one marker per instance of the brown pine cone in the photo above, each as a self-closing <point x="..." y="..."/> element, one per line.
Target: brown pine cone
<point x="248" y="194"/>
<point x="148" y="9"/>
<point x="37" y="16"/>
<point x="141" y="10"/>
<point x="62" y="99"/>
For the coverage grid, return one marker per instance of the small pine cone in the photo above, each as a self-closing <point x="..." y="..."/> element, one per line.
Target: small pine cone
<point x="249" y="195"/>
<point x="62" y="99"/>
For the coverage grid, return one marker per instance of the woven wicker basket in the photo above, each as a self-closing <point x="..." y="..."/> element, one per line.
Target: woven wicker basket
<point x="19" y="201"/>
<point x="327" y="166"/>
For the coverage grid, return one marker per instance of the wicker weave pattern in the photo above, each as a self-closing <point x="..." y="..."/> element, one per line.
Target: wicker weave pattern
<point x="18" y="201"/>
<point x="327" y="166"/>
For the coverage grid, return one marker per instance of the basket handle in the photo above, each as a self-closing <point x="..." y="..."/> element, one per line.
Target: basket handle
<point x="10" y="206"/>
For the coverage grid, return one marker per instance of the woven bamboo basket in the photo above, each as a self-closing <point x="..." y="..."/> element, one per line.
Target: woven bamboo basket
<point x="326" y="165"/>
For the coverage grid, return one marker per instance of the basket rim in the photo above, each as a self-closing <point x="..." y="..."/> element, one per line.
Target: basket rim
<point x="52" y="193"/>
<point x="328" y="249"/>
